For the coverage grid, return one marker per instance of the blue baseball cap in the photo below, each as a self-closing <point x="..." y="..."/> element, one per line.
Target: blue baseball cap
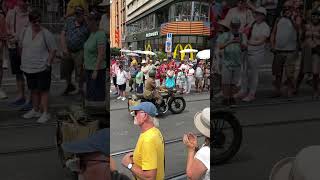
<point x="147" y="107"/>
<point x="98" y="142"/>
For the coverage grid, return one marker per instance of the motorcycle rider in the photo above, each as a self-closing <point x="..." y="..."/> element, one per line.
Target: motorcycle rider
<point x="151" y="91"/>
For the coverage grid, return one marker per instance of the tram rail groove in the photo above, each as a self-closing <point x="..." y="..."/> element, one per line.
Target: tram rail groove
<point x="125" y="108"/>
<point x="26" y="125"/>
<point x="265" y="104"/>
<point x="29" y="150"/>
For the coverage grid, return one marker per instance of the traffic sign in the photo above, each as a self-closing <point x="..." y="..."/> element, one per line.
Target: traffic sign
<point x="169" y="37"/>
<point x="168" y="46"/>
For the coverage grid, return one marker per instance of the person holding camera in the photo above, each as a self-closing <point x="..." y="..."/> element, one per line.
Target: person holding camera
<point x="232" y="43"/>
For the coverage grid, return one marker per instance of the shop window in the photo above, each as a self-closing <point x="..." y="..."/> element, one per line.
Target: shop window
<point x="193" y="39"/>
<point x="184" y="39"/>
<point x="200" y="40"/>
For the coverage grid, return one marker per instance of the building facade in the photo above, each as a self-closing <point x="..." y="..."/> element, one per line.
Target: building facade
<point x="117" y="23"/>
<point x="149" y="22"/>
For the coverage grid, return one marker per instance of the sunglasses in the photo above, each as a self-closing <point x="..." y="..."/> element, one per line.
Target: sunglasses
<point x="77" y="165"/>
<point x="315" y="17"/>
<point x="135" y="113"/>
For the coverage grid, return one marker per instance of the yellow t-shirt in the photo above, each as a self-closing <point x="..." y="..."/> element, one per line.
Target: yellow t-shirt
<point x="74" y="3"/>
<point x="149" y="152"/>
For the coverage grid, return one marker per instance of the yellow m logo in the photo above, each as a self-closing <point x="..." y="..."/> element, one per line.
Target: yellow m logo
<point x="179" y="48"/>
<point x="148" y="47"/>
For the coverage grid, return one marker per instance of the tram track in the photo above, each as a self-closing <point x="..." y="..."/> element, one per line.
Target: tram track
<point x="171" y="141"/>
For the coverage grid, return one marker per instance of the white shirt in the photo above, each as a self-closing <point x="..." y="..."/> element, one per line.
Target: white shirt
<point x="258" y="31"/>
<point x="191" y="72"/>
<point x="286" y="36"/>
<point x="203" y="155"/>
<point x="122" y="77"/>
<point x="199" y="72"/>
<point x="35" y="52"/>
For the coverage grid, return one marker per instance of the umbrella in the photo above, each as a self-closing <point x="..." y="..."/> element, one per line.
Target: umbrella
<point x="149" y="53"/>
<point x="138" y="52"/>
<point x="205" y="54"/>
<point x="125" y="51"/>
<point x="133" y="54"/>
<point x="189" y="51"/>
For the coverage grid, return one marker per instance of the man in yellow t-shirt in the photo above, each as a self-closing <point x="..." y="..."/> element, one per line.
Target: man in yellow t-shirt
<point x="147" y="160"/>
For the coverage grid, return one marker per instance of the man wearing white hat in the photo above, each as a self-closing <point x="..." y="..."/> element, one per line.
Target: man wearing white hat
<point x="305" y="166"/>
<point x="198" y="162"/>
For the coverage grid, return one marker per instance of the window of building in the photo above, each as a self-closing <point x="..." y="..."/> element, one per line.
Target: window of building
<point x="184" y="39"/>
<point x="189" y="11"/>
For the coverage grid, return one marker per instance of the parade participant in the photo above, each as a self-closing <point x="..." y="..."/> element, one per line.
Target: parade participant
<point x="73" y="36"/>
<point x="170" y="79"/>
<point x="284" y="42"/>
<point x="93" y="156"/>
<point x="95" y="60"/>
<point x="38" y="50"/>
<point x="199" y="77"/>
<point x="145" y="69"/>
<point x="163" y="71"/>
<point x="133" y="73"/>
<point x="232" y="43"/>
<point x="139" y="80"/>
<point x="114" y="71"/>
<point x="190" y="74"/>
<point x="147" y="160"/>
<point x="182" y="80"/>
<point x="198" y="162"/>
<point x="150" y="91"/>
<point x="158" y="74"/>
<point x="122" y="78"/>
<point x="17" y="20"/>
<point x="256" y="53"/>
<point x="206" y="77"/>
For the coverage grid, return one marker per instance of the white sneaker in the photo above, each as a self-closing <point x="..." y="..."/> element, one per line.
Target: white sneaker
<point x="124" y="98"/>
<point x="119" y="97"/>
<point x="32" y="114"/>
<point x="3" y="95"/>
<point x="44" y="118"/>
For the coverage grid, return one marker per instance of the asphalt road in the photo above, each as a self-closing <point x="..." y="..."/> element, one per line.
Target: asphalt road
<point x="271" y="133"/>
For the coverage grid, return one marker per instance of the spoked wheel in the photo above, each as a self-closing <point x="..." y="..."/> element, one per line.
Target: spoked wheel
<point x="177" y="105"/>
<point x="227" y="137"/>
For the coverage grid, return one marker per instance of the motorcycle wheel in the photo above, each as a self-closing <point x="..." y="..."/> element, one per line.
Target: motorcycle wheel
<point x="219" y="137"/>
<point x="175" y="106"/>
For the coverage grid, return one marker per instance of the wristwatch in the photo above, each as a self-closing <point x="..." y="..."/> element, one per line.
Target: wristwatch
<point x="130" y="166"/>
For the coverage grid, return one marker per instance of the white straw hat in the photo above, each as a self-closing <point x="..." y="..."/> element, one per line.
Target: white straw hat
<point x="261" y="10"/>
<point x="305" y="166"/>
<point x="202" y="122"/>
